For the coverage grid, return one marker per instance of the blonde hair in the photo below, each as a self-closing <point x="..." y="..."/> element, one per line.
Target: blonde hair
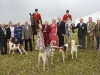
<point x="9" y="23"/>
<point x="54" y="20"/>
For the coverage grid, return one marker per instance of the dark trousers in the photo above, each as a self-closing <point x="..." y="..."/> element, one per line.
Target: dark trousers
<point x="97" y="43"/>
<point x="81" y="41"/>
<point x="61" y="40"/>
<point x="26" y="44"/>
<point x="3" y="47"/>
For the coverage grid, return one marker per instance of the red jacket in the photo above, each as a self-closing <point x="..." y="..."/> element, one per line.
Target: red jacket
<point x="65" y="17"/>
<point x="36" y="16"/>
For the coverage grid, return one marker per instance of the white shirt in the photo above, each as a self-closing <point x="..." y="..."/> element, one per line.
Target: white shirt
<point x="81" y="24"/>
<point x="12" y="31"/>
<point x="4" y="30"/>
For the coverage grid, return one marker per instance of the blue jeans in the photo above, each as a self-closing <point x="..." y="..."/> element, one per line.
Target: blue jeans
<point x="97" y="43"/>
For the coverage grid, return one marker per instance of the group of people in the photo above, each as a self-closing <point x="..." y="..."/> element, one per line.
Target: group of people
<point x="46" y="33"/>
<point x="16" y="35"/>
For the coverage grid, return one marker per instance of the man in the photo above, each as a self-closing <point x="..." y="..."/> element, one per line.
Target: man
<point x="82" y="29"/>
<point x="36" y="15"/>
<point x="90" y="33"/>
<point x="18" y="34"/>
<point x="61" y="31"/>
<point x="66" y="16"/>
<point x="27" y="35"/>
<point x="3" y="39"/>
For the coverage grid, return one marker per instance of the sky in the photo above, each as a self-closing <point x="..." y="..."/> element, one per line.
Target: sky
<point x="18" y="10"/>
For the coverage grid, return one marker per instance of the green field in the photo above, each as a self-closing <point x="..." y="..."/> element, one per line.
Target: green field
<point x="88" y="63"/>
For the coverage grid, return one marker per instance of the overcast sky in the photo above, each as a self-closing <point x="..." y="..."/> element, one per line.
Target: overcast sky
<point x="18" y="10"/>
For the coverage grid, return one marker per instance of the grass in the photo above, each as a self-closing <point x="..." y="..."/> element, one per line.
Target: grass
<point x="88" y="63"/>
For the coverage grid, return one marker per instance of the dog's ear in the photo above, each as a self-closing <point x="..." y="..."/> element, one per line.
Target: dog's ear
<point x="16" y="44"/>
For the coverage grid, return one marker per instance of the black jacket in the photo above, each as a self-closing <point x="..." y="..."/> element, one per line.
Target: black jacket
<point x="61" y="28"/>
<point x="3" y="37"/>
<point x="82" y="30"/>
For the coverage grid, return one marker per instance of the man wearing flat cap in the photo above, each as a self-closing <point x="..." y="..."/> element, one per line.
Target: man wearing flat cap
<point x="66" y="16"/>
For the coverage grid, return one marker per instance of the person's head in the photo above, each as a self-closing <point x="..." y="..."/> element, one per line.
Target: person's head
<point x="18" y="23"/>
<point x="26" y="23"/>
<point x="46" y="22"/>
<point x="36" y="10"/>
<point x="81" y="20"/>
<point x="54" y="21"/>
<point x="67" y="11"/>
<point x="10" y="24"/>
<point x="2" y="25"/>
<point x="59" y="18"/>
<point x="90" y="19"/>
<point x="98" y="22"/>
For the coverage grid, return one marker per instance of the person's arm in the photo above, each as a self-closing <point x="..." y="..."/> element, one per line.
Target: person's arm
<point x="15" y="33"/>
<point x="93" y="28"/>
<point x="85" y="29"/>
<point x="71" y="17"/>
<point x="23" y="32"/>
<point x="63" y="28"/>
<point x="48" y="29"/>
<point x="8" y="33"/>
<point x="40" y="17"/>
<point x="75" y="27"/>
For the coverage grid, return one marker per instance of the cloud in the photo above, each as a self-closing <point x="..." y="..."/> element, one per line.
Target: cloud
<point x="18" y="10"/>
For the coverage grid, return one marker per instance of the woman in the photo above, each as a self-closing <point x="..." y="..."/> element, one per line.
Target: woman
<point x="97" y="34"/>
<point x="39" y="39"/>
<point x="53" y="33"/>
<point x="10" y="32"/>
<point x="46" y="33"/>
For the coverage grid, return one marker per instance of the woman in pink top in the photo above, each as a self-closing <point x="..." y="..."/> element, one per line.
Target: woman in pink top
<point x="53" y="33"/>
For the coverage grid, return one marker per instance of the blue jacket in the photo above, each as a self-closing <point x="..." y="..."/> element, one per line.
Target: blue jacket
<point x="18" y="32"/>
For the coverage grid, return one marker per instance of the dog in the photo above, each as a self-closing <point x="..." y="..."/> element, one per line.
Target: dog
<point x="63" y="50"/>
<point x="46" y="52"/>
<point x="14" y="47"/>
<point x="74" y="48"/>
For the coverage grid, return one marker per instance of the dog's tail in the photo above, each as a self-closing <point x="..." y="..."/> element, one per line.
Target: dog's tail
<point x="78" y="45"/>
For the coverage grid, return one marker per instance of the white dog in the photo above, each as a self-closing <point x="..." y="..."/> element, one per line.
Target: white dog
<point x="44" y="53"/>
<point x="74" y="48"/>
<point x="63" y="50"/>
<point x="13" y="47"/>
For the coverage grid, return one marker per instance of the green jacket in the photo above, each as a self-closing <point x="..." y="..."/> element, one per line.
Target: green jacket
<point x="97" y="30"/>
<point x="91" y="29"/>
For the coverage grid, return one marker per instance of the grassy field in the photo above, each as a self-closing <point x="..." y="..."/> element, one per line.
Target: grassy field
<point x="88" y="63"/>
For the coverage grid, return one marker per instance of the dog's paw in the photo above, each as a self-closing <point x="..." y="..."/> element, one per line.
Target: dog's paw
<point x="52" y="63"/>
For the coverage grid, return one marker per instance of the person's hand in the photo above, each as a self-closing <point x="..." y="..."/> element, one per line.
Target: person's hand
<point x="55" y="34"/>
<point x="22" y="38"/>
<point x="44" y="31"/>
<point x="88" y="31"/>
<point x="10" y="38"/>
<point x="84" y="35"/>
<point x="15" y="39"/>
<point x="62" y="34"/>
